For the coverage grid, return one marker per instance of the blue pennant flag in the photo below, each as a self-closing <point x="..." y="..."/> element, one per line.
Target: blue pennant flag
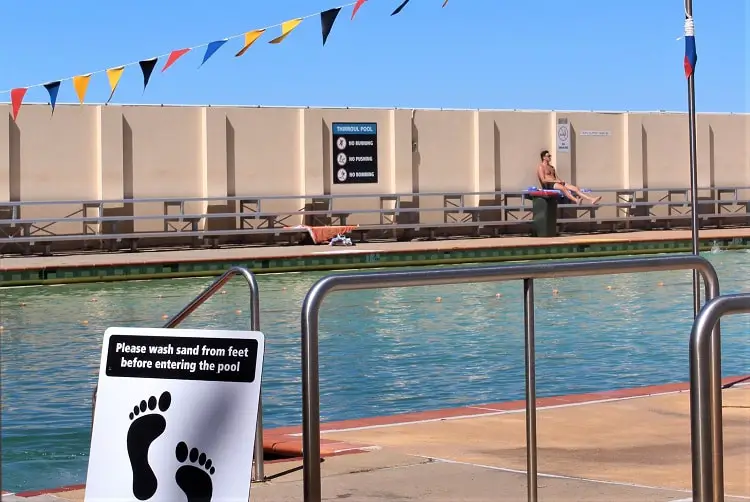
<point x="53" y="88"/>
<point x="212" y="48"/>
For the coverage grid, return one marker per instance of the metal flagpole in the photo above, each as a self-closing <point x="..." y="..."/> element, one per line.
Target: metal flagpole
<point x="691" y="58"/>
<point x="717" y="440"/>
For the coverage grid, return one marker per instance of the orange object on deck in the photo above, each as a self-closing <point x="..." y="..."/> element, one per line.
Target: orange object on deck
<point x="324" y="234"/>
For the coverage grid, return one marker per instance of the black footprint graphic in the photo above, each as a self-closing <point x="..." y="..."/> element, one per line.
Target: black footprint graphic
<point x="194" y="481"/>
<point x="146" y="427"/>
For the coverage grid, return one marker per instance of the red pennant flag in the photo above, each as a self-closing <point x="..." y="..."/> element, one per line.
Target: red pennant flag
<point x="357" y="6"/>
<point x="174" y="56"/>
<point x="16" y="98"/>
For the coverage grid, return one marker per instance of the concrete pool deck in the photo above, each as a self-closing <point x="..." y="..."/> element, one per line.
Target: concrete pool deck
<point x="154" y="264"/>
<point x="624" y="445"/>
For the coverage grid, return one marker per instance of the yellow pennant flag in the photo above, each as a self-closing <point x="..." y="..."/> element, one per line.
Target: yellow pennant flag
<point x="286" y="29"/>
<point x="114" y="75"/>
<point x="81" y="85"/>
<point x="250" y="38"/>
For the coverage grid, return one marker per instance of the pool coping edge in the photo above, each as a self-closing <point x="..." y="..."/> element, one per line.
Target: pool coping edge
<point x="287" y="440"/>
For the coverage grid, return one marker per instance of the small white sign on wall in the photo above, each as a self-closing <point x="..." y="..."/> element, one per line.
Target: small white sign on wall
<point x="563" y="135"/>
<point x="596" y="133"/>
<point x="175" y="416"/>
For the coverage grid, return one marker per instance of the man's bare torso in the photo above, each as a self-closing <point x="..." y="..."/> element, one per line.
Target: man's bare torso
<point x="547" y="173"/>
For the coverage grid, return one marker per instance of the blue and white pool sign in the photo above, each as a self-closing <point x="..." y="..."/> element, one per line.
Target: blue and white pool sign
<point x="340" y="129"/>
<point x="355" y="152"/>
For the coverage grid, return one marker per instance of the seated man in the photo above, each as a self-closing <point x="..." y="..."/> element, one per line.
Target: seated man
<point x="549" y="181"/>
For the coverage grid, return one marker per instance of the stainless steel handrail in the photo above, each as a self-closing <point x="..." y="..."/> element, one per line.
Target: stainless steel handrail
<point x="94" y="220"/>
<point x="252" y="282"/>
<point x="454" y="275"/>
<point x="456" y="211"/>
<point x="516" y="192"/>
<point x="708" y="486"/>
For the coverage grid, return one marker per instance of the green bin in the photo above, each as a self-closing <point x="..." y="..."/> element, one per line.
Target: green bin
<point x="544" y="210"/>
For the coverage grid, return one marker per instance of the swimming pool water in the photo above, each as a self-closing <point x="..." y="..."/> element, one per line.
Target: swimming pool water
<point x="382" y="351"/>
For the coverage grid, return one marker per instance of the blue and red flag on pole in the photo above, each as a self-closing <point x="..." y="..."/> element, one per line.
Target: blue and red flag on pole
<point x="691" y="55"/>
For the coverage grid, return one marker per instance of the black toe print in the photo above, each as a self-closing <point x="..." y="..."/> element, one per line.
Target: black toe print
<point x="195" y="480"/>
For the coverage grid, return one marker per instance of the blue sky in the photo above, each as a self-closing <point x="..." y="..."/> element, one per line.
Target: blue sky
<point x="540" y="54"/>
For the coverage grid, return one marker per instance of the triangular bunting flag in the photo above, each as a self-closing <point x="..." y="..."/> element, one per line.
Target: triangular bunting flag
<point x="250" y="38"/>
<point x="356" y="7"/>
<point x="211" y="49"/>
<point x="327" y="19"/>
<point x="286" y="29"/>
<point x="400" y="7"/>
<point x="16" y="98"/>
<point x="114" y="75"/>
<point x="147" y="67"/>
<point x="52" y="89"/>
<point x="81" y="85"/>
<point x="174" y="56"/>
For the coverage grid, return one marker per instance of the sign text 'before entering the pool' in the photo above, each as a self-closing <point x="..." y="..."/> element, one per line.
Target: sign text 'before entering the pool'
<point x="176" y="413"/>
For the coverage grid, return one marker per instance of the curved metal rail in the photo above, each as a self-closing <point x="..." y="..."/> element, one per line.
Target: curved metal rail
<point x="526" y="272"/>
<point x="252" y="282"/>
<point x="707" y="487"/>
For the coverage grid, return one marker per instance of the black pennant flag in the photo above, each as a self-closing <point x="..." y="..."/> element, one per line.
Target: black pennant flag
<point x="147" y="67"/>
<point x="327" y="19"/>
<point x="400" y="7"/>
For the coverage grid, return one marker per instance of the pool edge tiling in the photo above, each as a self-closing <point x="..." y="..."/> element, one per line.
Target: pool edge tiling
<point x="143" y="265"/>
<point x="288" y="439"/>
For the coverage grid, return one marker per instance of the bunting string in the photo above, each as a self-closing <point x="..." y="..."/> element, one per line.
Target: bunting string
<point x="147" y="66"/>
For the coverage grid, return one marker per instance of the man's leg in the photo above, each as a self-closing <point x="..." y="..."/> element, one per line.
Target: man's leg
<point x="568" y="193"/>
<point x="577" y="190"/>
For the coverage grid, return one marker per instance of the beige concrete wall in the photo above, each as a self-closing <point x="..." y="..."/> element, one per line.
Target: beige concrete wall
<point x="115" y="152"/>
<point x="56" y="157"/>
<point x="5" y="174"/>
